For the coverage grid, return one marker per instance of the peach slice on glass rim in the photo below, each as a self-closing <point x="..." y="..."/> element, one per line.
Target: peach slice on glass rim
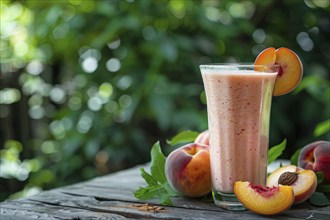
<point x="264" y="200"/>
<point x="290" y="71"/>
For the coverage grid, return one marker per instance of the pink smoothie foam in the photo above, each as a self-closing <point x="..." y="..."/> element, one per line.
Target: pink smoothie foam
<point x="238" y="105"/>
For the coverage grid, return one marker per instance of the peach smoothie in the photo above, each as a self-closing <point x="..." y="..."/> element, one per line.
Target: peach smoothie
<point x="238" y="107"/>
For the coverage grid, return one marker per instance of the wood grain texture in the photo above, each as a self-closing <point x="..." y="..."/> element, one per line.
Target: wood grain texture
<point x="111" y="197"/>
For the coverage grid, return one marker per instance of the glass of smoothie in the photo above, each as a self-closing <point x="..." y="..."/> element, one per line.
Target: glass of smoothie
<point x="238" y="107"/>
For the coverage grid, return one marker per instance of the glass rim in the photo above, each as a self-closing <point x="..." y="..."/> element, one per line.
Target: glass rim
<point x="240" y="65"/>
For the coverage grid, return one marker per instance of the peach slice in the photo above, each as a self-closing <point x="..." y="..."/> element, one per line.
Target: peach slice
<point x="264" y="200"/>
<point x="266" y="57"/>
<point x="302" y="181"/>
<point x="290" y="72"/>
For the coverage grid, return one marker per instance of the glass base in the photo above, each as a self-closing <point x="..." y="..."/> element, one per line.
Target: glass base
<point x="227" y="201"/>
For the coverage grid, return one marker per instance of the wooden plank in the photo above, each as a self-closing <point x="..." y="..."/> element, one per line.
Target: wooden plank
<point x="129" y="210"/>
<point x="111" y="197"/>
<point x="301" y="211"/>
<point x="31" y="210"/>
<point x="104" y="194"/>
<point x="120" y="186"/>
<point x="61" y="207"/>
<point x="126" y="178"/>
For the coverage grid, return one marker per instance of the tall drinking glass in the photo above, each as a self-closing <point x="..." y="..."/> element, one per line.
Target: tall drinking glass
<point x="238" y="108"/>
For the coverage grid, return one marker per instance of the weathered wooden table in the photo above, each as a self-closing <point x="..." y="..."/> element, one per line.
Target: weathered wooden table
<point x="111" y="197"/>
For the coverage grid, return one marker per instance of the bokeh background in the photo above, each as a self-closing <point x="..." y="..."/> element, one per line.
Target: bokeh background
<point x="87" y="86"/>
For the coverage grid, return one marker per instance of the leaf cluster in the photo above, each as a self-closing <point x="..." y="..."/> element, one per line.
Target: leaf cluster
<point x="158" y="186"/>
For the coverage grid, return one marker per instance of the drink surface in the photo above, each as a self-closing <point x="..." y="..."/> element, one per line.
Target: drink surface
<point x="238" y="105"/>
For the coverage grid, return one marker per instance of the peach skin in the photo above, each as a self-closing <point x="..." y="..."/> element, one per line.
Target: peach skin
<point x="316" y="157"/>
<point x="188" y="170"/>
<point x="203" y="138"/>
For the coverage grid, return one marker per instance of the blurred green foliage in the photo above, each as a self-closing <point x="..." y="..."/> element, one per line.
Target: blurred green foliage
<point x="88" y="86"/>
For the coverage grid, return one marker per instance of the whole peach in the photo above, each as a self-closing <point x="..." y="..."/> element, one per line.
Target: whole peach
<point x="203" y="138"/>
<point x="188" y="170"/>
<point x="316" y="157"/>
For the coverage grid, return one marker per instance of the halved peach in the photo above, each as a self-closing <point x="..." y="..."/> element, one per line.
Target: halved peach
<point x="302" y="181"/>
<point x="272" y="179"/>
<point x="264" y="200"/>
<point x="290" y="71"/>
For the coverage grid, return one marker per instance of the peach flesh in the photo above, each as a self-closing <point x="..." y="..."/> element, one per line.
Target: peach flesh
<point x="303" y="186"/>
<point x="264" y="200"/>
<point x="272" y="179"/>
<point x="264" y="191"/>
<point x="290" y="71"/>
<point x="267" y="56"/>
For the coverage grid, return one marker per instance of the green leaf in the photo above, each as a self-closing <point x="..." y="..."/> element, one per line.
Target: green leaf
<point x="183" y="137"/>
<point x="164" y="198"/>
<point x="148" y="192"/>
<point x="158" y="191"/>
<point x="294" y="157"/>
<point x="158" y="186"/>
<point x="148" y="178"/>
<point x="157" y="166"/>
<point x="319" y="199"/>
<point x="322" y="128"/>
<point x="276" y="151"/>
<point x="141" y="192"/>
<point x="170" y="190"/>
<point x="319" y="176"/>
